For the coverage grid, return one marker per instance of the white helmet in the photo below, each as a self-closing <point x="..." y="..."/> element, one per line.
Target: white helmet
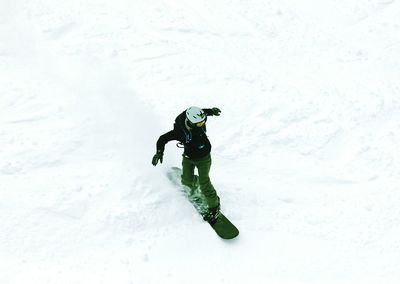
<point x="195" y="115"/>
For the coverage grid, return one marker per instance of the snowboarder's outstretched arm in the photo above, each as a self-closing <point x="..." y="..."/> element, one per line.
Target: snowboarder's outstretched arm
<point x="212" y="111"/>
<point x="164" y="139"/>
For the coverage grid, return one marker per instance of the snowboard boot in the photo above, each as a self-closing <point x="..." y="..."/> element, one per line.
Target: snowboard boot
<point x="212" y="214"/>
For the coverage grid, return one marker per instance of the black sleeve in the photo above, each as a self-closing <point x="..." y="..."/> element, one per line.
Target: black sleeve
<point x="165" y="138"/>
<point x="208" y="111"/>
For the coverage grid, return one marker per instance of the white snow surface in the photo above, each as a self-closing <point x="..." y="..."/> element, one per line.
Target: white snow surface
<point x="305" y="153"/>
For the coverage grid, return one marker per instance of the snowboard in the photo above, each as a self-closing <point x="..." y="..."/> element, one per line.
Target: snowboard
<point x="222" y="226"/>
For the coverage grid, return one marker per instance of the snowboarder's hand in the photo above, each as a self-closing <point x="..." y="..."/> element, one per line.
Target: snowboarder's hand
<point x="157" y="157"/>
<point x="216" y="111"/>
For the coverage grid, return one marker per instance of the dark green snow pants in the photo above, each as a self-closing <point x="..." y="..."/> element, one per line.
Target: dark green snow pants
<point x="189" y="179"/>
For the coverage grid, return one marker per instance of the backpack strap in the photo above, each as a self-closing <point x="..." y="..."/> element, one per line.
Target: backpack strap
<point x="188" y="134"/>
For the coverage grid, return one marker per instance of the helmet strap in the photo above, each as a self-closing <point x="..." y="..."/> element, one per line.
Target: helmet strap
<point x="188" y="124"/>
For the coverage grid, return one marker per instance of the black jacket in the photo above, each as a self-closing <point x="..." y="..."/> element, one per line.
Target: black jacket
<point x="195" y="140"/>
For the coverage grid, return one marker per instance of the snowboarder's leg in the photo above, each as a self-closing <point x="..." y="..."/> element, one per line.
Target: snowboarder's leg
<point x="188" y="178"/>
<point x="206" y="186"/>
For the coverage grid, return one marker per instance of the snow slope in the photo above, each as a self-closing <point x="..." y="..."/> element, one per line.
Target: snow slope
<point x="305" y="153"/>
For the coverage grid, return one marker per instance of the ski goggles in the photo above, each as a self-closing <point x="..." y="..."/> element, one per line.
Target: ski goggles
<point x="201" y="123"/>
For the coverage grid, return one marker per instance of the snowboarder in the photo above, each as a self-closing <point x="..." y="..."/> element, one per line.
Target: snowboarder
<point x="190" y="130"/>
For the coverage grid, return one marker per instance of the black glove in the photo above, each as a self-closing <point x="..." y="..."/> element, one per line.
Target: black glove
<point x="157" y="157"/>
<point x="216" y="111"/>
